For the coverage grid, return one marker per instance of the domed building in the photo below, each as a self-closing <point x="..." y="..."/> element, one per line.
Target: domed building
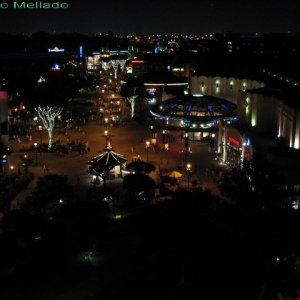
<point x="196" y="115"/>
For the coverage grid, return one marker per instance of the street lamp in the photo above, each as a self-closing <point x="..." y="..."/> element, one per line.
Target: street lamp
<point x="153" y="132"/>
<point x="35" y="151"/>
<point x="186" y="142"/>
<point x="40" y="131"/>
<point x="147" y="149"/>
<point x="188" y="168"/>
<point x="106" y="137"/>
<point x="25" y="164"/>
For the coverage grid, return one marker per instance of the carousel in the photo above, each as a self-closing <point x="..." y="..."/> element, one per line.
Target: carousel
<point x="107" y="165"/>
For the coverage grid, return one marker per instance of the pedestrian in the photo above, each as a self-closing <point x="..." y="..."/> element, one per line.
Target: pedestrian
<point x="44" y="168"/>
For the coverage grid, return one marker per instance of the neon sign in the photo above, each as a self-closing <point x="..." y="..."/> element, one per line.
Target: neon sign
<point x="234" y="141"/>
<point x="56" y="49"/>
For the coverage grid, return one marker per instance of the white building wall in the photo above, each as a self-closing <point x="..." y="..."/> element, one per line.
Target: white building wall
<point x="223" y="87"/>
<point x="288" y="119"/>
<point x="258" y="112"/>
<point x="297" y="130"/>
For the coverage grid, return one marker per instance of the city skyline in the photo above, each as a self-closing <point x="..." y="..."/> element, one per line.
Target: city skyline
<point x="23" y="17"/>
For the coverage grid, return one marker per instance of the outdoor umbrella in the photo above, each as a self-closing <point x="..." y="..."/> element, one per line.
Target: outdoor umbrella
<point x="174" y="174"/>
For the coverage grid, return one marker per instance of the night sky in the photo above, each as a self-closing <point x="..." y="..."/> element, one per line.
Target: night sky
<point x="121" y="16"/>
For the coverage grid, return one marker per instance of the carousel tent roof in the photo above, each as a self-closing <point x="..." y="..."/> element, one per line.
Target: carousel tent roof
<point x="108" y="159"/>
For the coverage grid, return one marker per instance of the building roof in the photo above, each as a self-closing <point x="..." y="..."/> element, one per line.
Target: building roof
<point x="162" y="78"/>
<point x="195" y="108"/>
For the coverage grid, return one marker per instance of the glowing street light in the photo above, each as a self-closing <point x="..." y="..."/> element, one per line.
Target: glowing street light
<point x="106" y="136"/>
<point x="40" y="131"/>
<point x="25" y="164"/>
<point x="188" y="168"/>
<point x="35" y="151"/>
<point x="147" y="149"/>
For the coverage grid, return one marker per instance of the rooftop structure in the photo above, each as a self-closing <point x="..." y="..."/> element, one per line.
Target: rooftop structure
<point x="198" y="112"/>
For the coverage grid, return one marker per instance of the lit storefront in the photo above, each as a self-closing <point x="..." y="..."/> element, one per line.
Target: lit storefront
<point x="234" y="148"/>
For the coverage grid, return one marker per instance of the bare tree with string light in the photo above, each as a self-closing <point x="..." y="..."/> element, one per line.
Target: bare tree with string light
<point x="47" y="115"/>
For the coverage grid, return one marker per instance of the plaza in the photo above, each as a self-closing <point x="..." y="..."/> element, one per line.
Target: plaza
<point x="123" y="138"/>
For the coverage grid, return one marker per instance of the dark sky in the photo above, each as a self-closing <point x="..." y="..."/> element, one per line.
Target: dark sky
<point x="121" y="16"/>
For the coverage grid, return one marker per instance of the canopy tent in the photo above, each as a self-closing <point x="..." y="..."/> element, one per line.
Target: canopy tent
<point x="175" y="174"/>
<point x="108" y="160"/>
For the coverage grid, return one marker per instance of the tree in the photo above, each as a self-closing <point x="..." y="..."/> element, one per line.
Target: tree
<point x="115" y="64"/>
<point x="50" y="188"/>
<point x="104" y="64"/>
<point x="140" y="167"/>
<point x="122" y="63"/>
<point x="139" y="188"/>
<point x="48" y="115"/>
<point x="283" y="278"/>
<point x="132" y="89"/>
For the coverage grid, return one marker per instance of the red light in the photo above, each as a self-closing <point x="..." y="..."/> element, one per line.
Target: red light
<point x="234" y="141"/>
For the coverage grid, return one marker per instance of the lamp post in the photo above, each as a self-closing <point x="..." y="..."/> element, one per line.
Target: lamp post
<point x="25" y="164"/>
<point x="164" y="137"/>
<point x="40" y="131"/>
<point x="188" y="168"/>
<point x="147" y="149"/>
<point x="186" y="142"/>
<point x="106" y="137"/>
<point x="35" y="151"/>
